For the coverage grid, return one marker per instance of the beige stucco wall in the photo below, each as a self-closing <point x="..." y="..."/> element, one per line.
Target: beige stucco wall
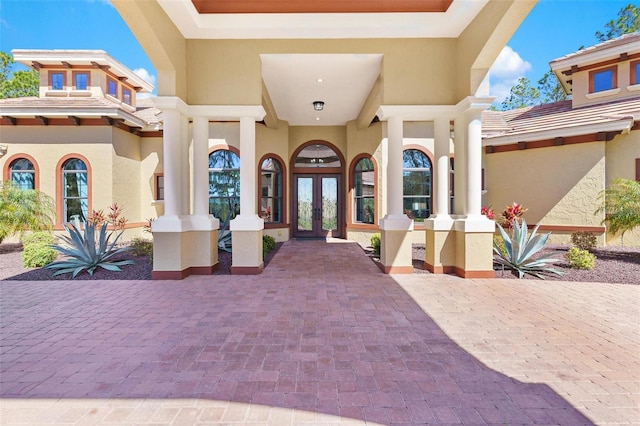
<point x="556" y="188"/>
<point x="622" y="153"/>
<point x="117" y="163"/>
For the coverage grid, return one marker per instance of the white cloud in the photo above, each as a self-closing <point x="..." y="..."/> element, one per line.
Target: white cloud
<point x="505" y="72"/>
<point x="144" y="74"/>
<point x="509" y="64"/>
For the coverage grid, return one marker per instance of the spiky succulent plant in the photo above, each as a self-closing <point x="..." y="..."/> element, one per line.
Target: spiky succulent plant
<point x="520" y="249"/>
<point x="88" y="249"/>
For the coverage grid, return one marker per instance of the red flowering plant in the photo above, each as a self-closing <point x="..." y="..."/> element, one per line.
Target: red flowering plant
<point x="488" y="212"/>
<point x="512" y="213"/>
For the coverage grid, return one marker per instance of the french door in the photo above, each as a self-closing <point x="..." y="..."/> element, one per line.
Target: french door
<point x="317" y="205"/>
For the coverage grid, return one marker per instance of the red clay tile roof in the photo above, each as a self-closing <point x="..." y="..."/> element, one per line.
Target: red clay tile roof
<point x="525" y="123"/>
<point x="145" y="112"/>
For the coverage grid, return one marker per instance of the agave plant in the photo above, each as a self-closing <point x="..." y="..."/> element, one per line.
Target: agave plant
<point x="520" y="249"/>
<point x="87" y="250"/>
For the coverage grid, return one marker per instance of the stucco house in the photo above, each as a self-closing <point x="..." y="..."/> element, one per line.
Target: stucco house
<point x="557" y="158"/>
<point x="86" y="140"/>
<point x="294" y="119"/>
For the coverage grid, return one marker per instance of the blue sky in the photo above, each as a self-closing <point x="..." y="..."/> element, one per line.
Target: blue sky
<point x="554" y="28"/>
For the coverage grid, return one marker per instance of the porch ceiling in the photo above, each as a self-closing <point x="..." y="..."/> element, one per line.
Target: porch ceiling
<point x="341" y="81"/>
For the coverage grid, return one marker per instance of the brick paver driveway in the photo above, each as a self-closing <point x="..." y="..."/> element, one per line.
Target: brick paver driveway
<point x="321" y="337"/>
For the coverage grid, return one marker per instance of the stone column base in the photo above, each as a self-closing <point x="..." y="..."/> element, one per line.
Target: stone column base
<point x="474" y="247"/>
<point x="440" y="245"/>
<point x="395" y="245"/>
<point x="246" y="243"/>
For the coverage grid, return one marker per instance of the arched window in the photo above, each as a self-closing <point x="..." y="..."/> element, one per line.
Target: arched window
<point x="416" y="179"/>
<point x="75" y="190"/>
<point x="271" y="190"/>
<point x="364" y="191"/>
<point x="224" y="184"/>
<point x="22" y="173"/>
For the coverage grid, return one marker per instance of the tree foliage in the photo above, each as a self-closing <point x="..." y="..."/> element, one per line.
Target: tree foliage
<point x="22" y="210"/>
<point x="628" y="22"/>
<point x="17" y="83"/>
<point x="521" y="95"/>
<point x="621" y="206"/>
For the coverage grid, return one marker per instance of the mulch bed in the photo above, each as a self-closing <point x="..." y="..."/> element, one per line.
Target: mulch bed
<point x="616" y="265"/>
<point x="11" y="267"/>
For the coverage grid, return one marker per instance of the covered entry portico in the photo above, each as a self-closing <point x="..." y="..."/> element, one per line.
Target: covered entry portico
<point x="248" y="82"/>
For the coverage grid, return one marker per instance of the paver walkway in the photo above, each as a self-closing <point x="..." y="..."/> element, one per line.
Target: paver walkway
<point x="320" y="337"/>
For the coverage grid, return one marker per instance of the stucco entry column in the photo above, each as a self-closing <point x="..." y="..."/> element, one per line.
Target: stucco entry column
<point x="440" y="240"/>
<point x="170" y="254"/>
<point x="474" y="232"/>
<point x="204" y="226"/>
<point x="395" y="227"/>
<point x="247" y="228"/>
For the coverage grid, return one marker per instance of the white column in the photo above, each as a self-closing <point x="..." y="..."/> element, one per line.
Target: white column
<point x="460" y="161"/>
<point x="394" y="167"/>
<point x="201" y="166"/>
<point x="248" y="192"/>
<point x="201" y="219"/>
<point x="185" y="193"/>
<point x="248" y="219"/>
<point x="441" y="177"/>
<point x="171" y="148"/>
<point x="473" y="163"/>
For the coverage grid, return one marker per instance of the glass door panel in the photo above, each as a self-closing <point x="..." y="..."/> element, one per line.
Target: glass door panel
<point x="329" y="203"/>
<point x="316" y="206"/>
<point x="305" y="203"/>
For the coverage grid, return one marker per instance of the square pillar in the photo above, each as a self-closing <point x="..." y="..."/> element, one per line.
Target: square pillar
<point x="395" y="228"/>
<point x="474" y="247"/>
<point x="247" y="228"/>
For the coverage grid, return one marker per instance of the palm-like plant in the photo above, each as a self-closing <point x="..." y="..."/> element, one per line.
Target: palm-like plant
<point x="520" y="249"/>
<point x="23" y="209"/>
<point x="621" y="206"/>
<point x="87" y="250"/>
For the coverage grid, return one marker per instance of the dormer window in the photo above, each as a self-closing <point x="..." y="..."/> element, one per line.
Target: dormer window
<point x="635" y="72"/>
<point x="56" y="80"/>
<point x="80" y="80"/>
<point x="603" y="79"/>
<point x="112" y="88"/>
<point x="126" y="96"/>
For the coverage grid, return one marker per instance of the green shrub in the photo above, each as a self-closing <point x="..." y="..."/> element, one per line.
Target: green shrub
<point x="580" y="259"/>
<point x="37" y="250"/>
<point x="375" y="243"/>
<point x="38" y="238"/>
<point x="38" y="255"/>
<point x="142" y="247"/>
<point x="584" y="240"/>
<point x="268" y="244"/>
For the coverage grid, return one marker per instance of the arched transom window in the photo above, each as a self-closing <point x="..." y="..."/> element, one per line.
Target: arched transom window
<point x="364" y="191"/>
<point x="22" y="173"/>
<point x="271" y="190"/>
<point x="224" y="185"/>
<point x="75" y="190"/>
<point x="416" y="181"/>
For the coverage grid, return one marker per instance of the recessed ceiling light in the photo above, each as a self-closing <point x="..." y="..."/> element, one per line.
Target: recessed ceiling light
<point x="320" y="80"/>
<point x="317" y="118"/>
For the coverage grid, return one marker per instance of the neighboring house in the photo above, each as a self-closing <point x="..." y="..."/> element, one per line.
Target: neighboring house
<point x="295" y="119"/>
<point x="557" y="158"/>
<point x="86" y="140"/>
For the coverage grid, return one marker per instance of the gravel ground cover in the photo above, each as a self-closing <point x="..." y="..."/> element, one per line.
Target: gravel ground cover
<point x="613" y="265"/>
<point x="11" y="267"/>
<point x="618" y="265"/>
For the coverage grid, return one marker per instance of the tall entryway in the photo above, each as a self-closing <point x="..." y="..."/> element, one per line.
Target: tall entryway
<point x="317" y="199"/>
